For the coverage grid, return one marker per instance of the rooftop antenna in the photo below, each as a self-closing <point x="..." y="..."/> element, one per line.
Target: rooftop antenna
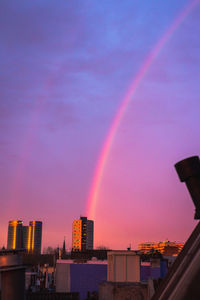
<point x="129" y="248"/>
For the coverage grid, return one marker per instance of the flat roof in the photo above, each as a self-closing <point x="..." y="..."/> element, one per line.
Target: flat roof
<point x="78" y="262"/>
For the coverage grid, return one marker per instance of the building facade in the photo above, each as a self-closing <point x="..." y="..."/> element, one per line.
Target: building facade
<point x="80" y="277"/>
<point x="82" y="234"/>
<point x="35" y="237"/>
<point x="26" y="237"/>
<point x="15" y="235"/>
<point x="165" y="247"/>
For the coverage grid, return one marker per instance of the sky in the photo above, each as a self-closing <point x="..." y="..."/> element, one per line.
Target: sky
<point x="65" y="68"/>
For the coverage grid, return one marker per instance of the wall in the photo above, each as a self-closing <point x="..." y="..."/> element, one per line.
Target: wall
<point x="86" y="277"/>
<point x="119" y="291"/>
<point x="123" y="266"/>
<point x="62" y="277"/>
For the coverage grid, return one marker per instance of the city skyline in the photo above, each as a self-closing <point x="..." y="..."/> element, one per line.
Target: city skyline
<point x="66" y="69"/>
<point x="21" y="236"/>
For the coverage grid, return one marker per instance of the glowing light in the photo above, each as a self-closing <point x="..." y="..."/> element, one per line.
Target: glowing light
<point x="77" y="234"/>
<point x="33" y="235"/>
<point x="29" y="238"/>
<point x="14" y="234"/>
<point x="103" y="157"/>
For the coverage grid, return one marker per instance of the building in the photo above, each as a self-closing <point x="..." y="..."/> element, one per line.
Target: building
<point x="33" y="237"/>
<point x="89" y="254"/>
<point x="26" y="237"/>
<point x="82" y="234"/>
<point x="84" y="278"/>
<point x="89" y="235"/>
<point x="154" y="268"/>
<point x="146" y="247"/>
<point x="15" y="235"/>
<point x="123" y="266"/>
<point x="165" y="247"/>
<point x="123" y="277"/>
<point x="182" y="280"/>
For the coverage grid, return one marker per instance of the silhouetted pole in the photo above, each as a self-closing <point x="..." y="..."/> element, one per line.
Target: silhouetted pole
<point x="189" y="172"/>
<point x="12" y="278"/>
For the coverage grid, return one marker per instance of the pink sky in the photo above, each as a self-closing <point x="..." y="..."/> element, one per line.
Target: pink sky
<point x="65" y="70"/>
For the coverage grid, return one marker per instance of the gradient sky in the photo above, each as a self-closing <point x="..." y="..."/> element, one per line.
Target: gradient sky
<point x="65" y="67"/>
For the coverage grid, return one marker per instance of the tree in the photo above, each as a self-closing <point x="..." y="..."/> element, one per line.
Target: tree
<point x="102" y="247"/>
<point x="49" y="250"/>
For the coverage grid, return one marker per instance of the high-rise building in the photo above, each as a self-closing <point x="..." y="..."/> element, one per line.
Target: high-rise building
<point x="89" y="235"/>
<point x="34" y="237"/>
<point x="27" y="237"/>
<point x="82" y="234"/>
<point x="15" y="234"/>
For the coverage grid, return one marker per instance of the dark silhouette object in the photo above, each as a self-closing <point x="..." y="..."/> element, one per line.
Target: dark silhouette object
<point x="63" y="249"/>
<point x="92" y="296"/>
<point x="189" y="172"/>
<point x="89" y="254"/>
<point x="52" y="296"/>
<point x="12" y="278"/>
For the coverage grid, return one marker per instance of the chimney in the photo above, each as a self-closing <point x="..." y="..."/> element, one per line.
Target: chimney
<point x="189" y="172"/>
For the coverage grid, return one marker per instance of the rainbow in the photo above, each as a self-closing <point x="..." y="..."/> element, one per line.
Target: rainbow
<point x="104" y="154"/>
